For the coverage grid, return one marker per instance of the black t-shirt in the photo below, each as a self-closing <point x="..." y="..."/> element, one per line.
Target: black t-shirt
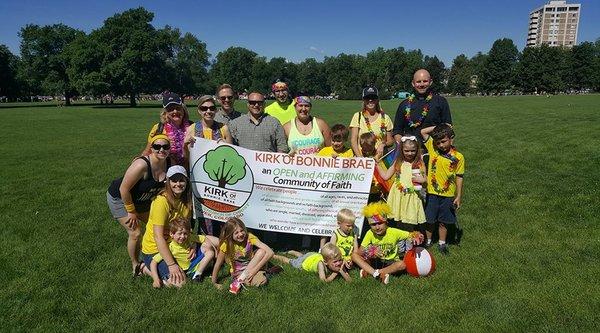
<point x="439" y="113"/>
<point x="144" y="190"/>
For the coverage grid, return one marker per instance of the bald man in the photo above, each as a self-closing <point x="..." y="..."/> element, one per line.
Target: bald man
<point x="424" y="108"/>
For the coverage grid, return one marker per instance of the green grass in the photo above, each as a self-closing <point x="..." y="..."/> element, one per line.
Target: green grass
<point x="528" y="261"/>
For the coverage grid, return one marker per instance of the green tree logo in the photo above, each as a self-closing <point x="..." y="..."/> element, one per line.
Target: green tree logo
<point x="225" y="166"/>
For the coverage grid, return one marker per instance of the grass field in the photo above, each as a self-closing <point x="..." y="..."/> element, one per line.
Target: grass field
<point x="529" y="260"/>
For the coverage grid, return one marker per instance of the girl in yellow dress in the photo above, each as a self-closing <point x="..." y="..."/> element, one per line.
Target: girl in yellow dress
<point x="405" y="194"/>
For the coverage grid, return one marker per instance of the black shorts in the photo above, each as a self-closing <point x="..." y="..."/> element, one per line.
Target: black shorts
<point x="440" y="209"/>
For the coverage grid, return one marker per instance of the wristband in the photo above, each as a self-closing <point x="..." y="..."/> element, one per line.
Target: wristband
<point x="130" y="208"/>
<point x="173" y="264"/>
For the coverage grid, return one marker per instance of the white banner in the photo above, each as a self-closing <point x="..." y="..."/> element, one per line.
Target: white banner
<point x="277" y="192"/>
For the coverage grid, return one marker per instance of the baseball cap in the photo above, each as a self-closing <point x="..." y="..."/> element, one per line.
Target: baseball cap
<point x="171" y="98"/>
<point x="370" y="92"/>
<point x="175" y="170"/>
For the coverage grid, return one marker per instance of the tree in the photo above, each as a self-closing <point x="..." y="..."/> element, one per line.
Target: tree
<point x="459" y="78"/>
<point x="499" y="69"/>
<point x="9" y="84"/>
<point x="583" y="71"/>
<point x="43" y="52"/>
<point x="437" y="70"/>
<point x="234" y="66"/>
<point x="225" y="166"/>
<point x="129" y="55"/>
<point x="186" y="64"/>
<point x="311" y="78"/>
<point x="529" y="70"/>
<point x="344" y="75"/>
<point x="477" y="66"/>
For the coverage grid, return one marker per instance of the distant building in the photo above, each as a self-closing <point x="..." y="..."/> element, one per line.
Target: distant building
<point x="554" y="24"/>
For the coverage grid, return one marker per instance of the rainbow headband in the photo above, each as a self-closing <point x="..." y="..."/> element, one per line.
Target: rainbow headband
<point x="303" y="100"/>
<point x="279" y="86"/>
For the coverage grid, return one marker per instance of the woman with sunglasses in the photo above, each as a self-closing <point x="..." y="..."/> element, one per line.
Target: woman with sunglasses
<point x="174" y="119"/>
<point x="129" y="197"/>
<point x="207" y="127"/>
<point x="306" y="134"/>
<point x="371" y="119"/>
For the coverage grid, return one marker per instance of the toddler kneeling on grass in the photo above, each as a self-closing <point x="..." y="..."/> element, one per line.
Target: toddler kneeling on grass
<point x="182" y="241"/>
<point x="329" y="260"/>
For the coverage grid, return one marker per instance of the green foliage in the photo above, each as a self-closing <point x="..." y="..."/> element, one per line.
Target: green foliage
<point x="499" y="69"/>
<point x="311" y="78"/>
<point x="46" y="59"/>
<point x="225" y="166"/>
<point x="459" y="78"/>
<point x="437" y="70"/>
<point x="344" y="75"/>
<point x="9" y="83"/>
<point x="234" y="66"/>
<point x="583" y="72"/>
<point x="527" y="263"/>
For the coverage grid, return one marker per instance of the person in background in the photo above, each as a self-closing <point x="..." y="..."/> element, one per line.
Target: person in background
<point x="283" y="107"/>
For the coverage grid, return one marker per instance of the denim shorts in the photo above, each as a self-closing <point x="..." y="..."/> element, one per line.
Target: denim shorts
<point x="440" y="209"/>
<point x="298" y="261"/>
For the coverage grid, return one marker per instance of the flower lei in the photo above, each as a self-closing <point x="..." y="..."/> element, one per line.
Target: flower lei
<point x="382" y="127"/>
<point x="451" y="155"/>
<point x="423" y="115"/>
<point x="177" y="136"/>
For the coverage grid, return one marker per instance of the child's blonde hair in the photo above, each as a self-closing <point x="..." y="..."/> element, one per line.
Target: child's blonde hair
<point x="330" y="251"/>
<point x="227" y="235"/>
<point x="345" y="215"/>
<point x="179" y="223"/>
<point x="417" y="162"/>
<point x="367" y="144"/>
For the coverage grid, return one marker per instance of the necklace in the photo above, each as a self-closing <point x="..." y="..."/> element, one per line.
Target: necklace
<point x="423" y="115"/>
<point x="405" y="190"/>
<point x="382" y="127"/>
<point x="451" y="155"/>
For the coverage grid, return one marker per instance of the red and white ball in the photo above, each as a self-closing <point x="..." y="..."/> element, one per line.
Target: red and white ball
<point x="419" y="262"/>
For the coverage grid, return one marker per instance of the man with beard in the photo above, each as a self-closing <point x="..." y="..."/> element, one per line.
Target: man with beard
<point x="283" y="108"/>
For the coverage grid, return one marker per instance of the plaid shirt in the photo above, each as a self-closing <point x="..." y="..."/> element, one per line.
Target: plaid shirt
<point x="225" y="118"/>
<point x="267" y="135"/>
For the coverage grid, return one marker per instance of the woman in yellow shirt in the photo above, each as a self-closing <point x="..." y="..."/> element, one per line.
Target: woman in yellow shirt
<point x="370" y="119"/>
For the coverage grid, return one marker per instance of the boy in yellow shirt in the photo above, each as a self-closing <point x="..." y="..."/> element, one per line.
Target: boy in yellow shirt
<point x="181" y="242"/>
<point x="378" y="255"/>
<point x="446" y="167"/>
<point x="345" y="237"/>
<point x="339" y="136"/>
<point x="329" y="260"/>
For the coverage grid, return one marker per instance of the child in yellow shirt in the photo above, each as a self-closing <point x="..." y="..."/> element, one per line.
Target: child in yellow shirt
<point x="339" y="136"/>
<point x="330" y="259"/>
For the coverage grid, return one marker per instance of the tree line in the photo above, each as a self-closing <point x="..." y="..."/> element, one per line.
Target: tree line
<point x="128" y="56"/>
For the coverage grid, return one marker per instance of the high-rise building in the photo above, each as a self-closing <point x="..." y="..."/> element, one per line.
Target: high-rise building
<point x="555" y="24"/>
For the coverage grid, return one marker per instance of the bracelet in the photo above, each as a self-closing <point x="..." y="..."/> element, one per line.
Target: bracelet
<point x="130" y="208"/>
<point x="173" y="264"/>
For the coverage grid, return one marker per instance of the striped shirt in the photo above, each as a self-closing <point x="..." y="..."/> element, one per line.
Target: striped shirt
<point x="267" y="135"/>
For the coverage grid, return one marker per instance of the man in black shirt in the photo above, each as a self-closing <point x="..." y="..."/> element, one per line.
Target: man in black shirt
<point x="423" y="109"/>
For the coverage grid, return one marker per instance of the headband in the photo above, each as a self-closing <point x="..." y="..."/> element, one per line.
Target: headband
<point x="406" y="138"/>
<point x="279" y="86"/>
<point x="158" y="137"/>
<point x="378" y="218"/>
<point x="303" y="100"/>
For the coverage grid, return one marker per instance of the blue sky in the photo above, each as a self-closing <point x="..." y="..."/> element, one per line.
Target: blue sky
<point x="301" y="29"/>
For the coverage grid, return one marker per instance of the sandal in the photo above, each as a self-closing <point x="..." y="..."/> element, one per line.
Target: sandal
<point x="139" y="269"/>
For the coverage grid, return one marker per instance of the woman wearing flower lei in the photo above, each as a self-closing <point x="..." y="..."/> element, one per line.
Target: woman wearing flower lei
<point x="371" y="119"/>
<point x="209" y="129"/>
<point x="174" y="120"/>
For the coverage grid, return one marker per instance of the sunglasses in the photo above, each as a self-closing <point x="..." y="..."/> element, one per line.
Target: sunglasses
<point x="256" y="102"/>
<point x="178" y="178"/>
<point x="157" y="147"/>
<point x="173" y="108"/>
<point x="226" y="98"/>
<point x="206" y="108"/>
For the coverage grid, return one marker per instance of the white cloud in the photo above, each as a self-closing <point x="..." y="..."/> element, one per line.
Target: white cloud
<point x="315" y="49"/>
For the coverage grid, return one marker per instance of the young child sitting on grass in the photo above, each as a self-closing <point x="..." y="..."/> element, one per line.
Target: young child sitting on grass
<point x="378" y="254"/>
<point x="345" y="237"/>
<point x="238" y="249"/>
<point x="446" y="167"/>
<point x="182" y="240"/>
<point x="330" y="259"/>
<point x="339" y="136"/>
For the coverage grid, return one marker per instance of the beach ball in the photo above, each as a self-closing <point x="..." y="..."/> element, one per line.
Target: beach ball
<point x="419" y="262"/>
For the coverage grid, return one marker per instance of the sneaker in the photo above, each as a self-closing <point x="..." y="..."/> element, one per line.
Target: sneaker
<point x="363" y="273"/>
<point x="443" y="248"/>
<point x="385" y="279"/>
<point x="235" y="286"/>
<point x="197" y="278"/>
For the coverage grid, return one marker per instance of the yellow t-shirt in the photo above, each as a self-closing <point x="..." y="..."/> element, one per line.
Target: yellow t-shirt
<point x="283" y="115"/>
<point x="445" y="171"/>
<point x="241" y="253"/>
<point x="161" y="214"/>
<point x="388" y="243"/>
<point x="345" y="243"/>
<point x="375" y="126"/>
<point x="207" y="133"/>
<point x="311" y="263"/>
<point x="328" y="151"/>
<point x="180" y="251"/>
